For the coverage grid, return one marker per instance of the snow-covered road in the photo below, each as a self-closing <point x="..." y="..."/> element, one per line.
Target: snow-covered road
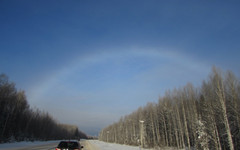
<point x="88" y="145"/>
<point x="50" y="145"/>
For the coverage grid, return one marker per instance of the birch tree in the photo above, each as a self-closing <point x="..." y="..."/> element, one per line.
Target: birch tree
<point x="217" y="82"/>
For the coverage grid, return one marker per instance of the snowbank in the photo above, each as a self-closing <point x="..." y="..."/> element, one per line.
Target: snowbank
<point x="113" y="146"/>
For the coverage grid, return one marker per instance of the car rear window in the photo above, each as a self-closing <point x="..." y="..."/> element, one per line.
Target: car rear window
<point x="68" y="145"/>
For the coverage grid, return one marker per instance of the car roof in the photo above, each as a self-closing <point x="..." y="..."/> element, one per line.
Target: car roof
<point x="69" y="141"/>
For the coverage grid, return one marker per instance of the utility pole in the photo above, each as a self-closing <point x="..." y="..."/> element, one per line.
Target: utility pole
<point x="107" y="135"/>
<point x="141" y="132"/>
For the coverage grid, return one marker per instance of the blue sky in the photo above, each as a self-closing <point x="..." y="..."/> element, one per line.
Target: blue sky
<point x="90" y="62"/>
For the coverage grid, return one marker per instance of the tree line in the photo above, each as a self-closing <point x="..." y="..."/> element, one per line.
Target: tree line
<point x="207" y="117"/>
<point x="19" y="122"/>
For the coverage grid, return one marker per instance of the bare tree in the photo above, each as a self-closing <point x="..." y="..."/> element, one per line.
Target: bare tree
<point x="217" y="82"/>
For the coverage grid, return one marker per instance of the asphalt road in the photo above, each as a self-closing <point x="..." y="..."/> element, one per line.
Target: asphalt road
<point x="36" y="147"/>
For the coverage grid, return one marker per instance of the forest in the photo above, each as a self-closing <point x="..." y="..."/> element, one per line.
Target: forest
<point x="19" y="122"/>
<point x="203" y="118"/>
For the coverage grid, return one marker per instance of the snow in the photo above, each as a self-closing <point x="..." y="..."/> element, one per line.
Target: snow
<point x="98" y="144"/>
<point x="113" y="146"/>
<point x="24" y="143"/>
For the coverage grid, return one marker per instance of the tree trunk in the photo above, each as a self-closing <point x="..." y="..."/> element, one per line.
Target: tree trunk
<point x="185" y="126"/>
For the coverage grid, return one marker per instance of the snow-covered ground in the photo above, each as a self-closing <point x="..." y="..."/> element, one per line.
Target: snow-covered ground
<point x="23" y="144"/>
<point x="113" y="146"/>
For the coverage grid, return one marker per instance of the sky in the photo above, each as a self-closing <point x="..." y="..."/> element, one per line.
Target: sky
<point x="88" y="63"/>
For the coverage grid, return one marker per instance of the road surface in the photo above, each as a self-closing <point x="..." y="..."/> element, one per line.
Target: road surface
<point x="86" y="144"/>
<point x="49" y="146"/>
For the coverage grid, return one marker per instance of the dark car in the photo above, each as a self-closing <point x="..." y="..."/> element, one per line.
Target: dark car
<point x="69" y="145"/>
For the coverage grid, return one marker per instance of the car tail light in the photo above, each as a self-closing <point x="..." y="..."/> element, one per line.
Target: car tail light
<point x="57" y="149"/>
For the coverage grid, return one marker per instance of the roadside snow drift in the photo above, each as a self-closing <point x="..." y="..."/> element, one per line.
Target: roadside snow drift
<point x="113" y="146"/>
